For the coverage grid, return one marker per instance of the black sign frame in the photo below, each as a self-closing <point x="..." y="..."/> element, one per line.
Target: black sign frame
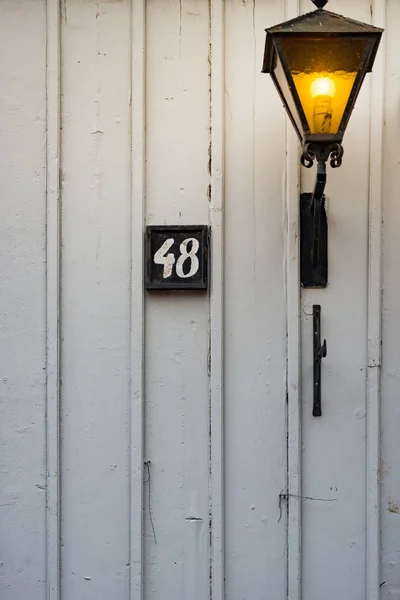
<point x="156" y="236"/>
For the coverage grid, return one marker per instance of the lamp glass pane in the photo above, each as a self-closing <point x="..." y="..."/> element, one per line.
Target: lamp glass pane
<point x="324" y="71"/>
<point x="282" y="83"/>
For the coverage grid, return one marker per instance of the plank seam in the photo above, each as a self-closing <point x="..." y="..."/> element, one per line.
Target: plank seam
<point x="374" y="335"/>
<point x="293" y="384"/>
<point x="216" y="216"/>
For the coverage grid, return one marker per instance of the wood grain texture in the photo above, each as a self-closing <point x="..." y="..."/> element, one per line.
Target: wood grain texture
<point x="53" y="330"/>
<point x="23" y="300"/>
<point x="389" y="466"/>
<point x="177" y="386"/>
<point x="293" y="383"/>
<point x="137" y="409"/>
<point x="255" y="309"/>
<point x="96" y="298"/>
<point x="216" y="349"/>
<point x="176" y="420"/>
<point x="374" y="324"/>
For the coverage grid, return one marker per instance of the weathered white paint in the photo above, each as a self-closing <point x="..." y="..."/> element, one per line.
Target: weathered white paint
<point x="293" y="383"/>
<point x="23" y="300"/>
<point x="177" y="549"/>
<point x="255" y="310"/>
<point x="183" y="417"/>
<point x="161" y="257"/>
<point x="137" y="409"/>
<point x="390" y="415"/>
<point x="334" y="446"/>
<point x="53" y="249"/>
<point x="96" y="298"/>
<point x="216" y="318"/>
<point x="374" y="330"/>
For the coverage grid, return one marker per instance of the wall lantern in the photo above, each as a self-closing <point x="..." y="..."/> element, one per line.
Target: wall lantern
<point x="318" y="63"/>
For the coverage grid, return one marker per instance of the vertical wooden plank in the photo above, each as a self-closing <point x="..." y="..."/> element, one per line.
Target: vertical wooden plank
<point x="255" y="309"/>
<point x="373" y="568"/>
<point x="53" y="298"/>
<point x="23" y="300"/>
<point x="217" y="49"/>
<point x="177" y="537"/>
<point x="293" y="351"/>
<point x="334" y="532"/>
<point x="389" y="468"/>
<point x="96" y="298"/>
<point x="293" y="389"/>
<point x="137" y="299"/>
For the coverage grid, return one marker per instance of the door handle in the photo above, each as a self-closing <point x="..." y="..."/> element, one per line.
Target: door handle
<point x="320" y="351"/>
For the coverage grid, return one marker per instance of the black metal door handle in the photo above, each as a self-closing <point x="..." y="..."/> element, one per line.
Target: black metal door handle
<point x="320" y="351"/>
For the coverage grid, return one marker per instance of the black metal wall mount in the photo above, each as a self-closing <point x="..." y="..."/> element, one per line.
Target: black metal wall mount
<point x="320" y="351"/>
<point x="313" y="221"/>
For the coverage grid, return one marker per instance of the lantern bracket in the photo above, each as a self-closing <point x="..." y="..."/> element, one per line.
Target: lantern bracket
<point x="316" y="206"/>
<point x="321" y="151"/>
<point x="313" y="221"/>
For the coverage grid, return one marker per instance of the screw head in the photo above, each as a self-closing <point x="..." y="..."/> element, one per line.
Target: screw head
<point x="320" y="3"/>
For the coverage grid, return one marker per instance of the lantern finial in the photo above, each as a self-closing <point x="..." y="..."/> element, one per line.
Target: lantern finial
<point x="320" y="3"/>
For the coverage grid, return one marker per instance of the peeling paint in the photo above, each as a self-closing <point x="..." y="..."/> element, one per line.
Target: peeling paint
<point x="384" y="469"/>
<point x="394" y="506"/>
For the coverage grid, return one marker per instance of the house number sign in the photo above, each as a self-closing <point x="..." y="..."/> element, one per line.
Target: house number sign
<point x="177" y="257"/>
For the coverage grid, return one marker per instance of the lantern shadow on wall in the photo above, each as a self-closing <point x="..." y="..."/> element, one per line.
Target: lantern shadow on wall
<point x="318" y="63"/>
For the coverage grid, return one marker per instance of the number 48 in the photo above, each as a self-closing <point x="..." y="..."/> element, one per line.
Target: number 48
<point x="168" y="260"/>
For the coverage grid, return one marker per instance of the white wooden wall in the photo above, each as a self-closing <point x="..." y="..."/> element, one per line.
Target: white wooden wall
<point x="23" y="300"/>
<point x="145" y="440"/>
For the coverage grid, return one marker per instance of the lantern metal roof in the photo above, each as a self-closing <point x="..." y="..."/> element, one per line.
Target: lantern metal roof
<point x="321" y="23"/>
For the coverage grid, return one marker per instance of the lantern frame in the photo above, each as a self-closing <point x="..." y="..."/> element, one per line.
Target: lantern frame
<point x="319" y="25"/>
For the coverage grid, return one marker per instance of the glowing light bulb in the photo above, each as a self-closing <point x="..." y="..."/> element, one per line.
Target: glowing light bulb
<point x="323" y="86"/>
<point x="323" y="90"/>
